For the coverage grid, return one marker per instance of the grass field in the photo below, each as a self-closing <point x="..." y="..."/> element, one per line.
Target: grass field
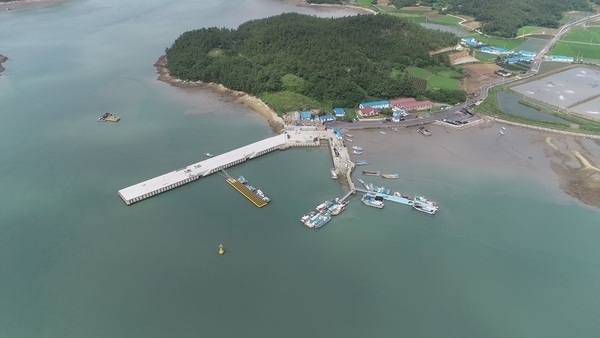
<point x="364" y="2"/>
<point x="287" y="101"/>
<point x="485" y="57"/>
<point x="528" y="30"/>
<point x="573" y="16"/>
<point x="587" y="35"/>
<point x="437" y="81"/>
<point x="584" y="51"/>
<point x="445" y="20"/>
<point x="418" y="72"/>
<point x="500" y="42"/>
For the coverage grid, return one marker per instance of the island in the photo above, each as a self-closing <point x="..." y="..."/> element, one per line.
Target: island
<point x="2" y="60"/>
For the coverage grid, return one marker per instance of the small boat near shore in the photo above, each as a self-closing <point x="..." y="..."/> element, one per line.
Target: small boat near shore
<point x="334" y="174"/>
<point x="349" y="135"/>
<point x="382" y="132"/>
<point x="357" y="148"/>
<point x="371" y="173"/>
<point x="221" y="249"/>
<point x="394" y="175"/>
<point x="424" y="131"/>
<point x="361" y="162"/>
<point x="428" y="209"/>
<point x="316" y="220"/>
<point x="356" y="152"/>
<point x="108" y="117"/>
<point x="208" y="155"/>
<point x="501" y="132"/>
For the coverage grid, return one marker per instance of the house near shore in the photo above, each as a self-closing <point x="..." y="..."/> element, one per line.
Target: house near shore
<point x="368" y="111"/>
<point x="306" y="115"/>
<point x="410" y="103"/>
<point x="339" y="112"/>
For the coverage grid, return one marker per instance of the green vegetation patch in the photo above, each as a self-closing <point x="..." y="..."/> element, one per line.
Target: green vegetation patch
<point x="528" y="30"/>
<point x="446" y="20"/>
<point x="337" y="61"/>
<point x="441" y="82"/>
<point x="418" y="72"/>
<point x="485" y="57"/>
<point x="501" y="42"/>
<point x="286" y="101"/>
<point x="364" y="2"/>
<point x="586" y="35"/>
<point x="585" y="51"/>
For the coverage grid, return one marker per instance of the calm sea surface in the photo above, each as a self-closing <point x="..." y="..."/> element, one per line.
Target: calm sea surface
<point x="503" y="257"/>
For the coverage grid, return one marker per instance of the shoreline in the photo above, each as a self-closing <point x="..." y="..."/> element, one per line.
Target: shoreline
<point x="2" y="60"/>
<point x="27" y="4"/>
<point x="275" y="122"/>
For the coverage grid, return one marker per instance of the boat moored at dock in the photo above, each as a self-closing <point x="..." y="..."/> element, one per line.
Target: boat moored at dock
<point x="317" y="220"/>
<point x="254" y="195"/>
<point x="371" y="173"/>
<point x="357" y="148"/>
<point x="334" y="174"/>
<point x="426" y="208"/>
<point x="373" y="200"/>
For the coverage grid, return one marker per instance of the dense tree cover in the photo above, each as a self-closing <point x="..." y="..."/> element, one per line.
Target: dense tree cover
<point x="504" y="18"/>
<point x="340" y="61"/>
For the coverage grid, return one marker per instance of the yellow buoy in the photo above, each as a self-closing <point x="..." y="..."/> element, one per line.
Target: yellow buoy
<point x="221" y="249"/>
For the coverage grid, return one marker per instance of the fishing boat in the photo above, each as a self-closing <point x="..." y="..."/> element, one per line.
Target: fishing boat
<point x="334" y="174"/>
<point x="349" y="140"/>
<point x="501" y="132"/>
<point x="423" y="200"/>
<point x="306" y="217"/>
<point x="503" y="128"/>
<point x="382" y="132"/>
<point x="428" y="209"/>
<point x="357" y="148"/>
<point x="424" y="131"/>
<point x="262" y="195"/>
<point x="221" y="249"/>
<point x="337" y="208"/>
<point x="242" y="179"/>
<point x="318" y="220"/>
<point x="350" y="135"/>
<point x="208" y="155"/>
<point x="356" y="152"/>
<point x="361" y="162"/>
<point x="324" y="207"/>
<point x="371" y="173"/>
<point x="108" y="117"/>
<point x="373" y="200"/>
<point x="394" y="175"/>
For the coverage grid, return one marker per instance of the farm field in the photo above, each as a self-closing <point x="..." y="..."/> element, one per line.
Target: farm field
<point x="586" y="35"/>
<point x="500" y="42"/>
<point x="532" y="45"/>
<point x="286" y="101"/>
<point x="444" y="19"/>
<point x="485" y="57"/>
<point x="585" y="51"/>
<point x="441" y="82"/>
<point x="529" y="30"/>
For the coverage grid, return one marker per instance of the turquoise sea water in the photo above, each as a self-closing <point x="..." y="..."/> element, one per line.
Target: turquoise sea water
<point x="505" y="257"/>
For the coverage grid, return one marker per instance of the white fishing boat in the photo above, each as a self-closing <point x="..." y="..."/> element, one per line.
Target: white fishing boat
<point x="357" y="148"/>
<point x="209" y="154"/>
<point x="334" y="174"/>
<point x="501" y="132"/>
<point x="382" y="132"/>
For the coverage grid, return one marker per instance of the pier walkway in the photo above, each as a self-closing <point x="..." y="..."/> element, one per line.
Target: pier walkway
<point x="192" y="172"/>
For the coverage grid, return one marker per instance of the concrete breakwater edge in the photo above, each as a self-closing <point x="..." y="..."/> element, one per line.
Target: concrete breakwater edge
<point x="275" y="122"/>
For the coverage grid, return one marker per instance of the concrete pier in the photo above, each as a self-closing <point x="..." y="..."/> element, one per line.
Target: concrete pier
<point x="192" y="172"/>
<point x="293" y="136"/>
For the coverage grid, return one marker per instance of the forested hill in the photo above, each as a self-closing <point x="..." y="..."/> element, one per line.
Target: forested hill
<point x="505" y="17"/>
<point x="340" y="61"/>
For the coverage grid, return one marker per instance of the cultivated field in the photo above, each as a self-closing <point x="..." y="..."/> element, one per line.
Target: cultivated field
<point x="574" y="49"/>
<point x="478" y="75"/>
<point x="583" y="35"/>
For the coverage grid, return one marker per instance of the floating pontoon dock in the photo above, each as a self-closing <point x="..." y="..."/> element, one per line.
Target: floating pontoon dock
<point x="249" y="194"/>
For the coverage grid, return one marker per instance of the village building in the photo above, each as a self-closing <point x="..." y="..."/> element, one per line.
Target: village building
<point x="339" y="112"/>
<point x="375" y="104"/>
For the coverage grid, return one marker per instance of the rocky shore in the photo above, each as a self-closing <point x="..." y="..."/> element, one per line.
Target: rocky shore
<point x="2" y="60"/>
<point x="275" y="122"/>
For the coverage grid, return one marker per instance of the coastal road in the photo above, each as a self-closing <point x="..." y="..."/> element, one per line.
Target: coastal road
<point x="483" y="93"/>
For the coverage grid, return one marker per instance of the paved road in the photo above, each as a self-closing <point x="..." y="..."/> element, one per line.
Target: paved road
<point x="444" y="114"/>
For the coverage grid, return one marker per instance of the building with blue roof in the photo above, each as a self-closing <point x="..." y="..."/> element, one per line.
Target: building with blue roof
<point x="306" y="115"/>
<point x="375" y="104"/>
<point x="338" y="133"/>
<point x="526" y="53"/>
<point x="339" y="111"/>
<point x="560" y="58"/>
<point x="471" y="42"/>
